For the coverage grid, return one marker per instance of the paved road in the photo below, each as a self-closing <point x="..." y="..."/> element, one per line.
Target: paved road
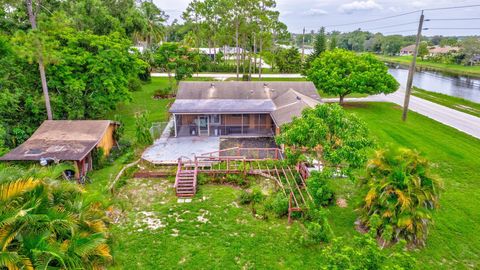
<point x="233" y="75"/>
<point x="462" y="121"/>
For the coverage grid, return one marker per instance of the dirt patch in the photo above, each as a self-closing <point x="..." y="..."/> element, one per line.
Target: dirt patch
<point x="145" y="192"/>
<point x="342" y="203"/>
<point x="248" y="143"/>
<point x="169" y="96"/>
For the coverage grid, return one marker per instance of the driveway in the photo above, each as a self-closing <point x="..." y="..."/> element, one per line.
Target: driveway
<point x="459" y="120"/>
<point x="168" y="151"/>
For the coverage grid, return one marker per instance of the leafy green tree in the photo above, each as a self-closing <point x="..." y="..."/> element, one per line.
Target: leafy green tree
<point x="391" y="45"/>
<point x="288" y="60"/>
<point x="340" y="72"/>
<point x="470" y="48"/>
<point x="423" y="50"/>
<point x="49" y="224"/>
<point x="329" y="134"/>
<point x="333" y="42"/>
<point x="177" y="59"/>
<point x="399" y="195"/>
<point x="142" y="129"/>
<point x="318" y="186"/>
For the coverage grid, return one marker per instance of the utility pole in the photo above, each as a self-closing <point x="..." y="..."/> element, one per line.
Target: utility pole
<point x="411" y="71"/>
<point x="41" y="67"/>
<point x="303" y="45"/>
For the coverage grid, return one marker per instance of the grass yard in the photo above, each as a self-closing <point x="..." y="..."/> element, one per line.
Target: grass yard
<point x="154" y="231"/>
<point x="456" y="103"/>
<point x="454" y="242"/>
<point x="449" y="68"/>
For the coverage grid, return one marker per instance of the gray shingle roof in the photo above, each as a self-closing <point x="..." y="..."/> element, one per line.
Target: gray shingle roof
<point x="283" y="100"/>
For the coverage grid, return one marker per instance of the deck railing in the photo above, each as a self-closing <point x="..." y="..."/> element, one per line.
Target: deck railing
<point x="248" y="153"/>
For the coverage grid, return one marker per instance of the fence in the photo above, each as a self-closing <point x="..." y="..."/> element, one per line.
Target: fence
<point x="157" y="129"/>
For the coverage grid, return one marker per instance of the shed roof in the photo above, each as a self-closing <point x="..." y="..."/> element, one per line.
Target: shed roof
<point x="61" y="140"/>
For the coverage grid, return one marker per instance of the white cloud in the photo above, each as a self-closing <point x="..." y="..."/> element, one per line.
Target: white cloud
<point x="419" y="4"/>
<point x="359" y="6"/>
<point x="315" y="12"/>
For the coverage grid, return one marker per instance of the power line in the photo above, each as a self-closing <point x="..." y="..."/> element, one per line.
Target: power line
<point x="398" y="32"/>
<point x="401" y="14"/>
<point x="454" y="7"/>
<point x="452" y="28"/>
<point x="455" y="19"/>
<point x="374" y="20"/>
<point x="391" y="26"/>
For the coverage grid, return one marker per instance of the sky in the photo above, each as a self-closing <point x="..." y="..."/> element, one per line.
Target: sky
<point x="312" y="14"/>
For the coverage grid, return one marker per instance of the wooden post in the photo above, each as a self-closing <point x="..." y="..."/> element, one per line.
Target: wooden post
<point x="290" y="208"/>
<point x="411" y="71"/>
<point x="244" y="168"/>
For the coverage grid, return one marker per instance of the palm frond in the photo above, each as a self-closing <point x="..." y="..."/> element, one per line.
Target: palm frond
<point x="13" y="189"/>
<point x="14" y="261"/>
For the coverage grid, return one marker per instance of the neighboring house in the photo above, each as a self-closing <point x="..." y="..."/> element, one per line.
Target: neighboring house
<point x="239" y="108"/>
<point x="475" y="60"/>
<point x="66" y="140"/>
<point x="229" y="53"/>
<point x="409" y="50"/>
<point x="438" y="50"/>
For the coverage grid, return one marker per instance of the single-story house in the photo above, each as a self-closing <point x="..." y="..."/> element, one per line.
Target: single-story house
<point x="239" y="108"/>
<point x="66" y="140"/>
<point x="409" y="50"/>
<point x="438" y="50"/>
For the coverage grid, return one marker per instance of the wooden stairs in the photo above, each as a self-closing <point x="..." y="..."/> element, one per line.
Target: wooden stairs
<point x="186" y="179"/>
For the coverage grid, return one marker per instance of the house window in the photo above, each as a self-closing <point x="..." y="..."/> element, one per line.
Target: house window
<point x="215" y="119"/>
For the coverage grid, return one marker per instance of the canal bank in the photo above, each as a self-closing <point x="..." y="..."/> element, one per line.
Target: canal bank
<point x="464" y="87"/>
<point x="448" y="69"/>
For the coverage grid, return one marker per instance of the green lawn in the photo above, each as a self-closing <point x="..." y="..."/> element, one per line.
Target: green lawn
<point x="449" y="68"/>
<point x="232" y="238"/>
<point x="454" y="242"/>
<point x="456" y="103"/>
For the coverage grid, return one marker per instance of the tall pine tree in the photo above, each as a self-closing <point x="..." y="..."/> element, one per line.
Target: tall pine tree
<point x="319" y="47"/>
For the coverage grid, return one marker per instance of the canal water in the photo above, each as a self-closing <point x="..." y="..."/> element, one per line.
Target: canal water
<point x="459" y="86"/>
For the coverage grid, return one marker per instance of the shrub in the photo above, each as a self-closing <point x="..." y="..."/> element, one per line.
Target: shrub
<point x="317" y="228"/>
<point x="162" y="92"/>
<point x="245" y="197"/>
<point x="279" y="205"/>
<point x="134" y="84"/>
<point x="317" y="184"/>
<point x="365" y="253"/>
<point x="98" y="158"/>
<point x="142" y="129"/>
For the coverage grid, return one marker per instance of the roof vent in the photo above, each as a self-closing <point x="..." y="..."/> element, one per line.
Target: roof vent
<point x="299" y="98"/>
<point x="265" y="84"/>
<point x="212" y="84"/>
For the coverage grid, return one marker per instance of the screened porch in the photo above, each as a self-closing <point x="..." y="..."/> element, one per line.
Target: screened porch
<point x="223" y="125"/>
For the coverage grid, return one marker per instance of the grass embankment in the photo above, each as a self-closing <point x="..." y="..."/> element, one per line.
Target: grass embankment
<point x="456" y="103"/>
<point x="449" y="68"/>
<point x="213" y="231"/>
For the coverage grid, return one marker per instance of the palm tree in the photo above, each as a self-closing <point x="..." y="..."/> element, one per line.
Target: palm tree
<point x="45" y="223"/>
<point x="154" y="29"/>
<point x="399" y="196"/>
